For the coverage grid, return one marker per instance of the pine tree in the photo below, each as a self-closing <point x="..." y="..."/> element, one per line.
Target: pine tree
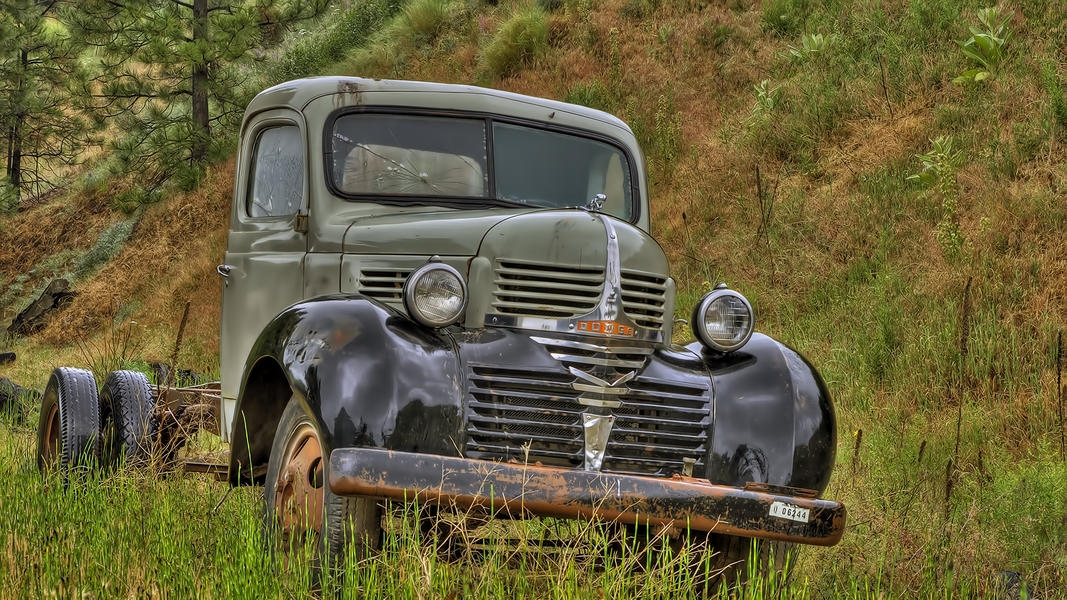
<point x="39" y="75"/>
<point x="167" y="76"/>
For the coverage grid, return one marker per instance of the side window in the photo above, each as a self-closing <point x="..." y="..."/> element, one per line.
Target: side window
<point x="277" y="172"/>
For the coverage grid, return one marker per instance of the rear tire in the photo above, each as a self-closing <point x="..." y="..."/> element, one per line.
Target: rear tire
<point x="68" y="434"/>
<point x="300" y="509"/>
<point x="127" y="419"/>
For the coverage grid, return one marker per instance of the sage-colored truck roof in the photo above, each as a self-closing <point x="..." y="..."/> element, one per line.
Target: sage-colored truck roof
<point x="443" y="96"/>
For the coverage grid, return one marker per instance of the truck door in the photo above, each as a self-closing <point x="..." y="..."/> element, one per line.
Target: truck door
<point x="263" y="270"/>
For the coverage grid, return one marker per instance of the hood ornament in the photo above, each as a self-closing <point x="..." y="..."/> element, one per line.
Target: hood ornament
<point x="596" y="203"/>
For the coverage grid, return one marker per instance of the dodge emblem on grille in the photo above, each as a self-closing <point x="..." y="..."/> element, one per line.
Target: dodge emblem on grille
<point x="606" y="328"/>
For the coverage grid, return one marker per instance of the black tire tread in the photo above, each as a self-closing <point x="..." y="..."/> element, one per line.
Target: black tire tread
<point x="127" y="398"/>
<point x="351" y="520"/>
<point x="74" y="390"/>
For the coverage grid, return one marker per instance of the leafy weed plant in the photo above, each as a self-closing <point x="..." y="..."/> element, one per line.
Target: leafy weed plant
<point x="812" y="45"/>
<point x="940" y="166"/>
<point x="987" y="45"/>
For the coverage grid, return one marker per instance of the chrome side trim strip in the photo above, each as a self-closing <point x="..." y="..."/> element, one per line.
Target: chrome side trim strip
<point x="604" y="362"/>
<point x="593" y="347"/>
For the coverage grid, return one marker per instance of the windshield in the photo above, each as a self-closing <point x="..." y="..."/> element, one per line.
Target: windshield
<point x="448" y="157"/>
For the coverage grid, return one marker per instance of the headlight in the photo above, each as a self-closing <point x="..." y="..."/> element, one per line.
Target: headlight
<point x="435" y="295"/>
<point x="723" y="320"/>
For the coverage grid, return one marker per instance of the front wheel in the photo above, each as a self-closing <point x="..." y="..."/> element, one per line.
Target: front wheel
<point x="300" y="511"/>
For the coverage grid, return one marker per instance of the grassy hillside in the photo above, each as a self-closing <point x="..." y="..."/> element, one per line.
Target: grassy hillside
<point x="907" y="233"/>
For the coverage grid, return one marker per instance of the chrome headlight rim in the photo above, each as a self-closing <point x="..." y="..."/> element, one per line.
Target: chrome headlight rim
<point x="409" y="295"/>
<point x="698" y="320"/>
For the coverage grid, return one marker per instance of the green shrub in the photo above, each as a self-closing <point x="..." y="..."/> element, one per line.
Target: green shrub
<point x="522" y="39"/>
<point x="426" y="18"/>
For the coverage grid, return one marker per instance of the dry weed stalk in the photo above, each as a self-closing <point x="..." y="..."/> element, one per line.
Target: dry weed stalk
<point x="965" y="322"/>
<point x="1059" y="385"/>
<point x="949" y="484"/>
<point x="117" y="347"/>
<point x="856" y="451"/>
<point x="173" y="375"/>
<point x="952" y="468"/>
<point x="766" y="204"/>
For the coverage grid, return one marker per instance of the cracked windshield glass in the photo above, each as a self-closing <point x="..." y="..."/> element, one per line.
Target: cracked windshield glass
<point x="417" y="156"/>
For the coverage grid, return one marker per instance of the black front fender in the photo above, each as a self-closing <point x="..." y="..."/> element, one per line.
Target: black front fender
<point x="364" y="372"/>
<point x="774" y="421"/>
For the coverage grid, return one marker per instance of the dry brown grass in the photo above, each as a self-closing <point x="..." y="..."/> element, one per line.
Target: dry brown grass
<point x="70" y="221"/>
<point x="170" y="258"/>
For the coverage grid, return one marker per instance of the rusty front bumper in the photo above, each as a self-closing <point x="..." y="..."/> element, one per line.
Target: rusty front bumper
<point x="518" y="489"/>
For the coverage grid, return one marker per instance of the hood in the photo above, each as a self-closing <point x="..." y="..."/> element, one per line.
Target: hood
<point x="447" y="233"/>
<point x="571" y="238"/>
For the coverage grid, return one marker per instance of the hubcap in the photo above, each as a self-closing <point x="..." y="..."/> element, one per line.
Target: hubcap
<point x="299" y="494"/>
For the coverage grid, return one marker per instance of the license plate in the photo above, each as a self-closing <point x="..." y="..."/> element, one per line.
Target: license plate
<point x="790" y="511"/>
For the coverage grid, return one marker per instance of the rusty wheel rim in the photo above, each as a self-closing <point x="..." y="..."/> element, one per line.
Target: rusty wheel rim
<point x="51" y="436"/>
<point x="299" y="493"/>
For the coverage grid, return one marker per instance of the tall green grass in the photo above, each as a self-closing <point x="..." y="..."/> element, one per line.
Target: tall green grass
<point x="521" y="40"/>
<point x="138" y="534"/>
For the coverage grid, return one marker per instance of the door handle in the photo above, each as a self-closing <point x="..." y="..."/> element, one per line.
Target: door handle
<point x="224" y="270"/>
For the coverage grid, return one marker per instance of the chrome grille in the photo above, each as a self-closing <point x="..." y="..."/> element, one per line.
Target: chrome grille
<point x="526" y="415"/>
<point x="536" y="415"/>
<point x="643" y="297"/>
<point x="546" y="290"/>
<point x="657" y="427"/>
<point x="384" y="284"/>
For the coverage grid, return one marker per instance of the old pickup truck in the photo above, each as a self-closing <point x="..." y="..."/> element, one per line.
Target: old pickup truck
<point x="450" y="294"/>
